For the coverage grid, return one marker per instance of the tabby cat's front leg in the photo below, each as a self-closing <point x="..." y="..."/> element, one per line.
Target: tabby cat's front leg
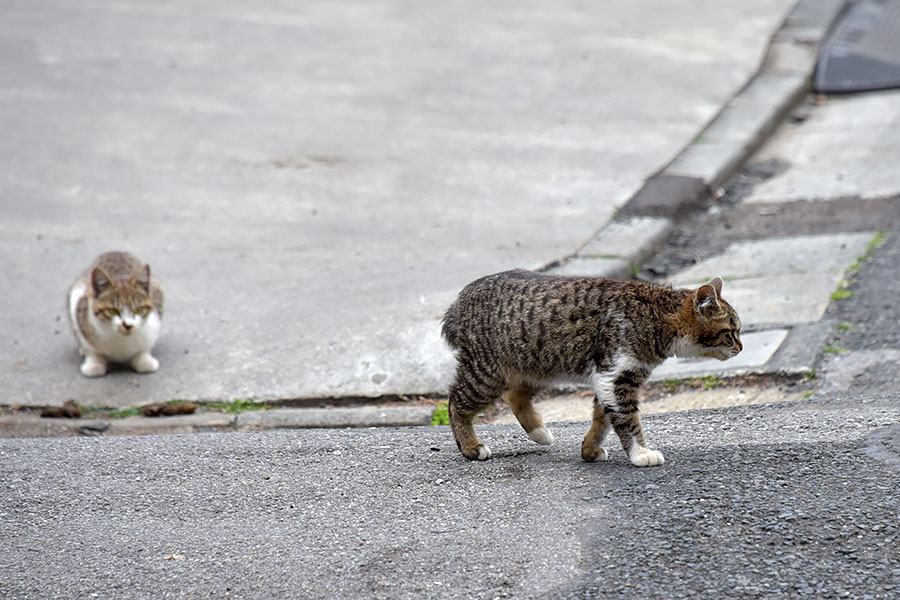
<point x="628" y="427"/>
<point x="621" y="408"/>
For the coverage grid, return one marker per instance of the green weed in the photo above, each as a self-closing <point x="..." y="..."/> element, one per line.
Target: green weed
<point x="235" y="406"/>
<point x="710" y="382"/>
<point x="877" y="241"/>
<point x="441" y="414"/>
<point x="833" y="349"/>
<point x="115" y="413"/>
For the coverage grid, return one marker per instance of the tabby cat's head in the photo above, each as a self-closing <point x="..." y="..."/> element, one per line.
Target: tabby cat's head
<point x="712" y="328"/>
<point x="121" y="304"/>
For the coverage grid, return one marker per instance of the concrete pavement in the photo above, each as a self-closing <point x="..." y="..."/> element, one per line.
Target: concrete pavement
<point x="313" y="186"/>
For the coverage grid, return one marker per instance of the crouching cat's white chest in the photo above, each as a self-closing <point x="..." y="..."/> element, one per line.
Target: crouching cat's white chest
<point x="107" y="337"/>
<point x="115" y="309"/>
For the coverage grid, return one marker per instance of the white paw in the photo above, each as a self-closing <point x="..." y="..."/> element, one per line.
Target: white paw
<point x="145" y="363"/>
<point x="645" y="457"/>
<point x="601" y="456"/>
<point x="541" y="435"/>
<point x="93" y="367"/>
<point x="484" y="453"/>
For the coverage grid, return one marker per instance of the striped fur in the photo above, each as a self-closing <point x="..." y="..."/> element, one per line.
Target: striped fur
<point x="518" y="331"/>
<point x="115" y="310"/>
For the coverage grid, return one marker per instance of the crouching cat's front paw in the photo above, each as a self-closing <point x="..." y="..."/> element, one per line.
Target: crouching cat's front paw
<point x="93" y="366"/>
<point x="145" y="363"/>
<point x="645" y="457"/>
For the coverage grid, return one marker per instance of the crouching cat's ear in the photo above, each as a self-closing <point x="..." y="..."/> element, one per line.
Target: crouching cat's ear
<point x="143" y="278"/>
<point x="99" y="281"/>
<point x="706" y="298"/>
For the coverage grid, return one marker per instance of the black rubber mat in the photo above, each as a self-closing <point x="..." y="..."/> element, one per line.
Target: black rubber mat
<point x="863" y="51"/>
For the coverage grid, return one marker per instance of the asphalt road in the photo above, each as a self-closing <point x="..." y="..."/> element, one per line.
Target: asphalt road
<point x="790" y="500"/>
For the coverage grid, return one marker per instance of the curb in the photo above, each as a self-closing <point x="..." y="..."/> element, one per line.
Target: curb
<point x="26" y="425"/>
<point x="694" y="176"/>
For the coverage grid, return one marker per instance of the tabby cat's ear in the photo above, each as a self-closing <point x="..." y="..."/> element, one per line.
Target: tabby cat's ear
<point x="99" y="281"/>
<point x="143" y="278"/>
<point x="706" y="298"/>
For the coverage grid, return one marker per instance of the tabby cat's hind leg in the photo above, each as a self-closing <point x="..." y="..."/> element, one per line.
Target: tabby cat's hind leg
<point x="470" y="393"/>
<point x="592" y="446"/>
<point x="520" y="401"/>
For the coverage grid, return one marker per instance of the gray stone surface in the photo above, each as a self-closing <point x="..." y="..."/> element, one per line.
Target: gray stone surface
<point x="847" y="147"/>
<point x="719" y="151"/>
<point x="775" y="285"/>
<point x="802" y="350"/>
<point x="579" y="407"/>
<point x="365" y="416"/>
<point x="759" y="347"/>
<point x="32" y="425"/>
<point x="313" y="184"/>
<point x="631" y="238"/>
<point x="739" y="129"/>
<point x="173" y="424"/>
<point x="613" y="268"/>
<point x="780" y="281"/>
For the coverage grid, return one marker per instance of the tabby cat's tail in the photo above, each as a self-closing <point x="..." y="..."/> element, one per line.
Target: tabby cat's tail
<point x="450" y="326"/>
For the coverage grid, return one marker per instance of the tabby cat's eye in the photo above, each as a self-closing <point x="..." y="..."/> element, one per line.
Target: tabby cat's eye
<point x="143" y="311"/>
<point x="109" y="313"/>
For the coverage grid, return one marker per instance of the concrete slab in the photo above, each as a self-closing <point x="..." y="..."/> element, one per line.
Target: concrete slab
<point x="579" y="407"/>
<point x="366" y="416"/>
<point x="25" y="425"/>
<point x="720" y="398"/>
<point x="737" y="131"/>
<point x="780" y="281"/>
<point x="845" y="367"/>
<point x="716" y="154"/>
<point x="612" y="268"/>
<point x="759" y="347"/>
<point x="627" y="238"/>
<point x="169" y="425"/>
<point x="801" y="351"/>
<point x="846" y="147"/>
<point x="314" y="183"/>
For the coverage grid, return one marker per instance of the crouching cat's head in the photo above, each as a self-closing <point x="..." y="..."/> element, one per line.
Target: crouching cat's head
<point x="710" y="327"/>
<point x="120" y="304"/>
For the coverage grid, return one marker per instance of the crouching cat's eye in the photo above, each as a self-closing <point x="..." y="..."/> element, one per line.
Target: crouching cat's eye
<point x="142" y="311"/>
<point x="109" y="313"/>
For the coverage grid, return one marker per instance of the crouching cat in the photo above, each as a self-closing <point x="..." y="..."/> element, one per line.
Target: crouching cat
<point x="115" y="309"/>
<point x="517" y="331"/>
